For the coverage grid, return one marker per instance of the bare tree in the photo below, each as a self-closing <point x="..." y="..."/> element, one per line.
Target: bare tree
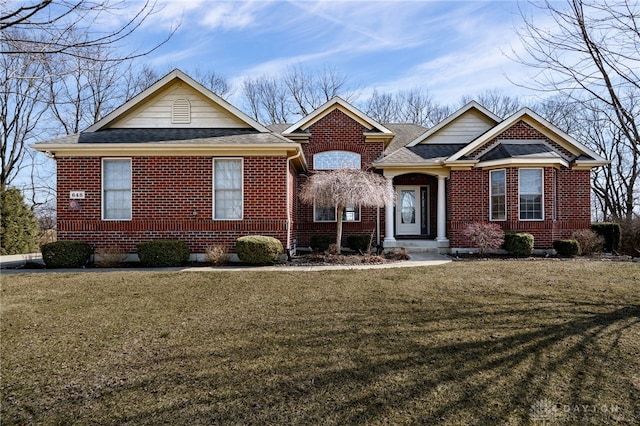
<point x="298" y="92"/>
<point x="212" y="81"/>
<point x="590" y="56"/>
<point x="498" y="102"/>
<point x="69" y="27"/>
<point x="382" y="107"/>
<point x="344" y="187"/>
<point x="310" y="89"/>
<point x="268" y="99"/>
<point x="21" y="110"/>
<point x="56" y="58"/>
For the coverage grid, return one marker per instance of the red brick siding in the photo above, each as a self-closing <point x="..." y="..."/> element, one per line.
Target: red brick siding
<point x="566" y="204"/>
<point x="337" y="131"/>
<point x="172" y="198"/>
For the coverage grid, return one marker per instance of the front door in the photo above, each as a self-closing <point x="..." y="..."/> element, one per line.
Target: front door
<point x="408" y="210"/>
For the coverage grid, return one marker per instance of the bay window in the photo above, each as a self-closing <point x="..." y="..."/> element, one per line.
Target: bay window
<point x="530" y="194"/>
<point x="498" y="195"/>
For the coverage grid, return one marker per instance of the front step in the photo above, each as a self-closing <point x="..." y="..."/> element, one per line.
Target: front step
<point x="421" y="246"/>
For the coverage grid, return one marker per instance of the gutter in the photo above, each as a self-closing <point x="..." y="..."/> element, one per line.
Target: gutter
<point x="290" y="250"/>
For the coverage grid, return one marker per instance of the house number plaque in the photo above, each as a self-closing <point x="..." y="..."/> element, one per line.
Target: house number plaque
<point x="76" y="195"/>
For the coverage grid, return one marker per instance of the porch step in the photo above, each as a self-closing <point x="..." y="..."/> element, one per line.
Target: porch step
<point x="421" y="246"/>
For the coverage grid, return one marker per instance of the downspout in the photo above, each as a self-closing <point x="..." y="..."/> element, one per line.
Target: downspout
<point x="289" y="159"/>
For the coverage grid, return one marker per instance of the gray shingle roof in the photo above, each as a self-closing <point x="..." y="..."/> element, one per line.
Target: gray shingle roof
<point x="173" y="135"/>
<point x="405" y="133"/>
<point x="506" y="150"/>
<point x="428" y="151"/>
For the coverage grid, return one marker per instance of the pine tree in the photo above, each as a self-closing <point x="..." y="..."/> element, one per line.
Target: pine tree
<point x="18" y="225"/>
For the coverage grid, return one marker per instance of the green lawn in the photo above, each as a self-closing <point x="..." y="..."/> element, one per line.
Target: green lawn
<point x="473" y="343"/>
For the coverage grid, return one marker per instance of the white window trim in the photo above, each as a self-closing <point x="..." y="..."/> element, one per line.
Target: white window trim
<point x="213" y="187"/>
<point x="491" y="219"/>
<point x="336" y="216"/>
<point x="102" y="200"/>
<point x="541" y="195"/>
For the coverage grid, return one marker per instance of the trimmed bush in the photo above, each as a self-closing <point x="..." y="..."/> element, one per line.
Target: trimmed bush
<point x="159" y="253"/>
<point x="485" y="236"/>
<point x="520" y="244"/>
<point x="611" y="233"/>
<point x="321" y="242"/>
<point x="66" y="254"/>
<point x="589" y="241"/>
<point x="566" y="248"/>
<point x="359" y="243"/>
<point x="259" y="249"/>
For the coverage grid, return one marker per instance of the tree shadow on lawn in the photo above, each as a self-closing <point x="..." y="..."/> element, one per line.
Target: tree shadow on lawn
<point x="484" y="364"/>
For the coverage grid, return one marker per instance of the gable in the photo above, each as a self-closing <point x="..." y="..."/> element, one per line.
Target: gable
<point x="462" y="126"/>
<point x="176" y="100"/>
<point x="373" y="131"/>
<point x="527" y="127"/>
<point x="177" y="105"/>
<point x="463" y="129"/>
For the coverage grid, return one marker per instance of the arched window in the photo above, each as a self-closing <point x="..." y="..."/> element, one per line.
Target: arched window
<point x="332" y="160"/>
<point x="181" y="111"/>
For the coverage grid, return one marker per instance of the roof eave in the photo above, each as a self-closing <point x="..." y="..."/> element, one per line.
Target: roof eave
<point x="166" y="149"/>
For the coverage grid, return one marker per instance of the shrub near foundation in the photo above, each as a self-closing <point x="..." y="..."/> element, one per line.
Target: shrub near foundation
<point x="66" y="254"/>
<point x="566" y="248"/>
<point x="519" y="244"/>
<point x="321" y="242"/>
<point x="163" y="253"/>
<point x="259" y="249"/>
<point x="359" y="243"/>
<point x="589" y="241"/>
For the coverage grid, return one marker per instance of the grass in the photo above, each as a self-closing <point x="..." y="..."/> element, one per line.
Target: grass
<point x="473" y="343"/>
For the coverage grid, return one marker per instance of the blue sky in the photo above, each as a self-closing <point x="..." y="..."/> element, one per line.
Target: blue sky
<point x="452" y="48"/>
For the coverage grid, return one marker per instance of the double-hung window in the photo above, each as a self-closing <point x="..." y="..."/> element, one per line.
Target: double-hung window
<point x="227" y="188"/>
<point x="498" y="194"/>
<point x="116" y="189"/>
<point x="328" y="214"/>
<point x="530" y="194"/>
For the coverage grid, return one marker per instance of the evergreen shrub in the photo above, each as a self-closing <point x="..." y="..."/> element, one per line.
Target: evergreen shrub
<point x="321" y="242"/>
<point x="359" y="243"/>
<point x="566" y="248"/>
<point x="163" y="253"/>
<point x="66" y="254"/>
<point x="259" y="249"/>
<point x="519" y="244"/>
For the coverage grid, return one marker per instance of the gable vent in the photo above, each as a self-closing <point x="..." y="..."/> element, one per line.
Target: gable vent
<point x="181" y="111"/>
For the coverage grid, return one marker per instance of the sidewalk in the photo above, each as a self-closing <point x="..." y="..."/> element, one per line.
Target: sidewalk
<point x="17" y="260"/>
<point x="416" y="259"/>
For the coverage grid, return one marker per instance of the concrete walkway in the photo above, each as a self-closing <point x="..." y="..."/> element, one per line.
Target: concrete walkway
<point x="416" y="259"/>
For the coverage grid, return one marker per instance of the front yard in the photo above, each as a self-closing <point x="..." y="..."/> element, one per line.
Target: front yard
<point x="473" y="343"/>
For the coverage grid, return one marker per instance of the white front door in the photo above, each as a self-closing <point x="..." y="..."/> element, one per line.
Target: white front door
<point x="408" y="210"/>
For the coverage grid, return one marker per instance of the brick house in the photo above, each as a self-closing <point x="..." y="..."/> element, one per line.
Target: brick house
<point x="179" y="162"/>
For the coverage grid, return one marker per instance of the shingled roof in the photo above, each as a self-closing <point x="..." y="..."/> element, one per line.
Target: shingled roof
<point x="227" y="136"/>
